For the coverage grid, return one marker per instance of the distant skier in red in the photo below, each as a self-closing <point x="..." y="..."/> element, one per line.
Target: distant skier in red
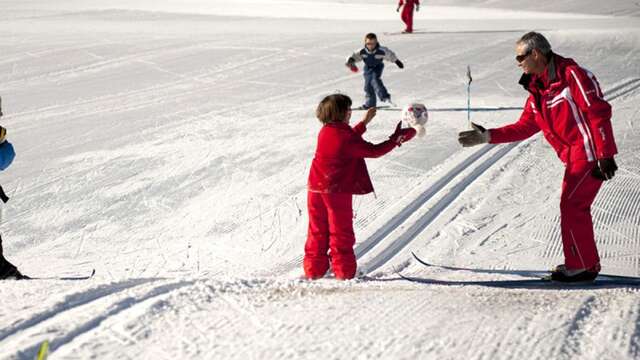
<point x="338" y="172"/>
<point x="407" y="13"/>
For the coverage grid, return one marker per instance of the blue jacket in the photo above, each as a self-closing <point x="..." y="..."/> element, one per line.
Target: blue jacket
<point x="7" y="154"/>
<point x="373" y="59"/>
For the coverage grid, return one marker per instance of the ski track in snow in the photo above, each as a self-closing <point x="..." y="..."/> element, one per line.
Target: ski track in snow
<point x="80" y="313"/>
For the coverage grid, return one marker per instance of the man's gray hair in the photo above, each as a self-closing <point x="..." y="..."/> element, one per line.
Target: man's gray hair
<point x="535" y="40"/>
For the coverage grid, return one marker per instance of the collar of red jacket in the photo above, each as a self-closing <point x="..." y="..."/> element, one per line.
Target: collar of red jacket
<point x="551" y="74"/>
<point x="339" y="125"/>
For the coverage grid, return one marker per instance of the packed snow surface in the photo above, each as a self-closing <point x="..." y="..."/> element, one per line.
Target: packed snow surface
<point x="167" y="144"/>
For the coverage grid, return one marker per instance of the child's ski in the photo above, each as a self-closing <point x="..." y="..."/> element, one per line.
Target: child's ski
<point x="64" y="278"/>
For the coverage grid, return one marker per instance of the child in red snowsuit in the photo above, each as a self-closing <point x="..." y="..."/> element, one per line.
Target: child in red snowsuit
<point x="338" y="171"/>
<point x="407" y="13"/>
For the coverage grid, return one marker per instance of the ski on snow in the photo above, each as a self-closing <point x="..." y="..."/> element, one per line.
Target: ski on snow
<point x="532" y="278"/>
<point x="381" y="107"/>
<point x="530" y="283"/>
<point x="521" y="283"/>
<point x="392" y="33"/>
<point x="64" y="278"/>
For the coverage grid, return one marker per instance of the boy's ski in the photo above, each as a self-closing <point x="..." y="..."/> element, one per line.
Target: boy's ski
<point x="540" y="274"/>
<point x="63" y="278"/>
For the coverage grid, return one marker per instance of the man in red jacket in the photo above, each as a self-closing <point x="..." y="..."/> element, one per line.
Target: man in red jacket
<point x="338" y="171"/>
<point x="566" y="103"/>
<point x="407" y="13"/>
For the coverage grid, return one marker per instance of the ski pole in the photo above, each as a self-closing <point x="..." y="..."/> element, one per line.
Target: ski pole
<point x="469" y="95"/>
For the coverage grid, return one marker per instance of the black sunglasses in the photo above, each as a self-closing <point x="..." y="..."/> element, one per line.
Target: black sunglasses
<point x="521" y="58"/>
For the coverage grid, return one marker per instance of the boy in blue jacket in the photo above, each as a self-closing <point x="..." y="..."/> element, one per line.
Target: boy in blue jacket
<point x="373" y="55"/>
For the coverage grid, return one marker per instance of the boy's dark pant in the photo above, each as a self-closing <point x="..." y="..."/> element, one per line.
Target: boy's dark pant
<point x="373" y="85"/>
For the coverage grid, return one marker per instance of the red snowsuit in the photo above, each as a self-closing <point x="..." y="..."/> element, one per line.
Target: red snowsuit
<point x="407" y="12"/>
<point x="338" y="170"/>
<point x="567" y="104"/>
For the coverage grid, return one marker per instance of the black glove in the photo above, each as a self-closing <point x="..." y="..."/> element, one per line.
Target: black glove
<point x="402" y="135"/>
<point x="400" y="64"/>
<point x="351" y="64"/>
<point x="479" y="135"/>
<point x="605" y="169"/>
<point x="397" y="133"/>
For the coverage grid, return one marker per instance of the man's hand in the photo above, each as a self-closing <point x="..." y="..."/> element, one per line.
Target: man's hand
<point x="398" y="9"/>
<point x="605" y="169"/>
<point x="417" y="7"/>
<point x="400" y="64"/>
<point x="369" y="115"/>
<point x="477" y="136"/>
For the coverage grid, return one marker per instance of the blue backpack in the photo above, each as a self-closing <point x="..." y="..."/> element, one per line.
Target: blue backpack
<point x="7" y="154"/>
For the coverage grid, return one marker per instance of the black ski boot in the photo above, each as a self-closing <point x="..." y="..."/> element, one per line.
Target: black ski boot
<point x="7" y="269"/>
<point x="580" y="276"/>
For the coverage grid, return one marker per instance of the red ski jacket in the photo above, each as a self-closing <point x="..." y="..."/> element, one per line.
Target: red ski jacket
<point x="566" y="103"/>
<point x="338" y="165"/>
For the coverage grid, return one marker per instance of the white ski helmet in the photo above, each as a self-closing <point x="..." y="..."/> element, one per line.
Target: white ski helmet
<point x="416" y="116"/>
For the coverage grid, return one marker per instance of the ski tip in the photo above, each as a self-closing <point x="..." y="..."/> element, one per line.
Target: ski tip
<point x="420" y="260"/>
<point x="93" y="272"/>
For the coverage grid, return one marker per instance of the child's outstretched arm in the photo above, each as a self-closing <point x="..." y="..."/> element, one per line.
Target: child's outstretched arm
<point x="361" y="127"/>
<point x="352" y="60"/>
<point x="364" y="149"/>
<point x="390" y="56"/>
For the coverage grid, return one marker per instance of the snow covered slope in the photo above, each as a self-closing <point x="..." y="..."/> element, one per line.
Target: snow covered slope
<point x="166" y="144"/>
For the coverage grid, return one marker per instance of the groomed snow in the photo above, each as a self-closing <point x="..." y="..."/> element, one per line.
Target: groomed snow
<point x="166" y="144"/>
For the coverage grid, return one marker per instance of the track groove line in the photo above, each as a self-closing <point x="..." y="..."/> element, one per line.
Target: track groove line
<point x="71" y="302"/>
